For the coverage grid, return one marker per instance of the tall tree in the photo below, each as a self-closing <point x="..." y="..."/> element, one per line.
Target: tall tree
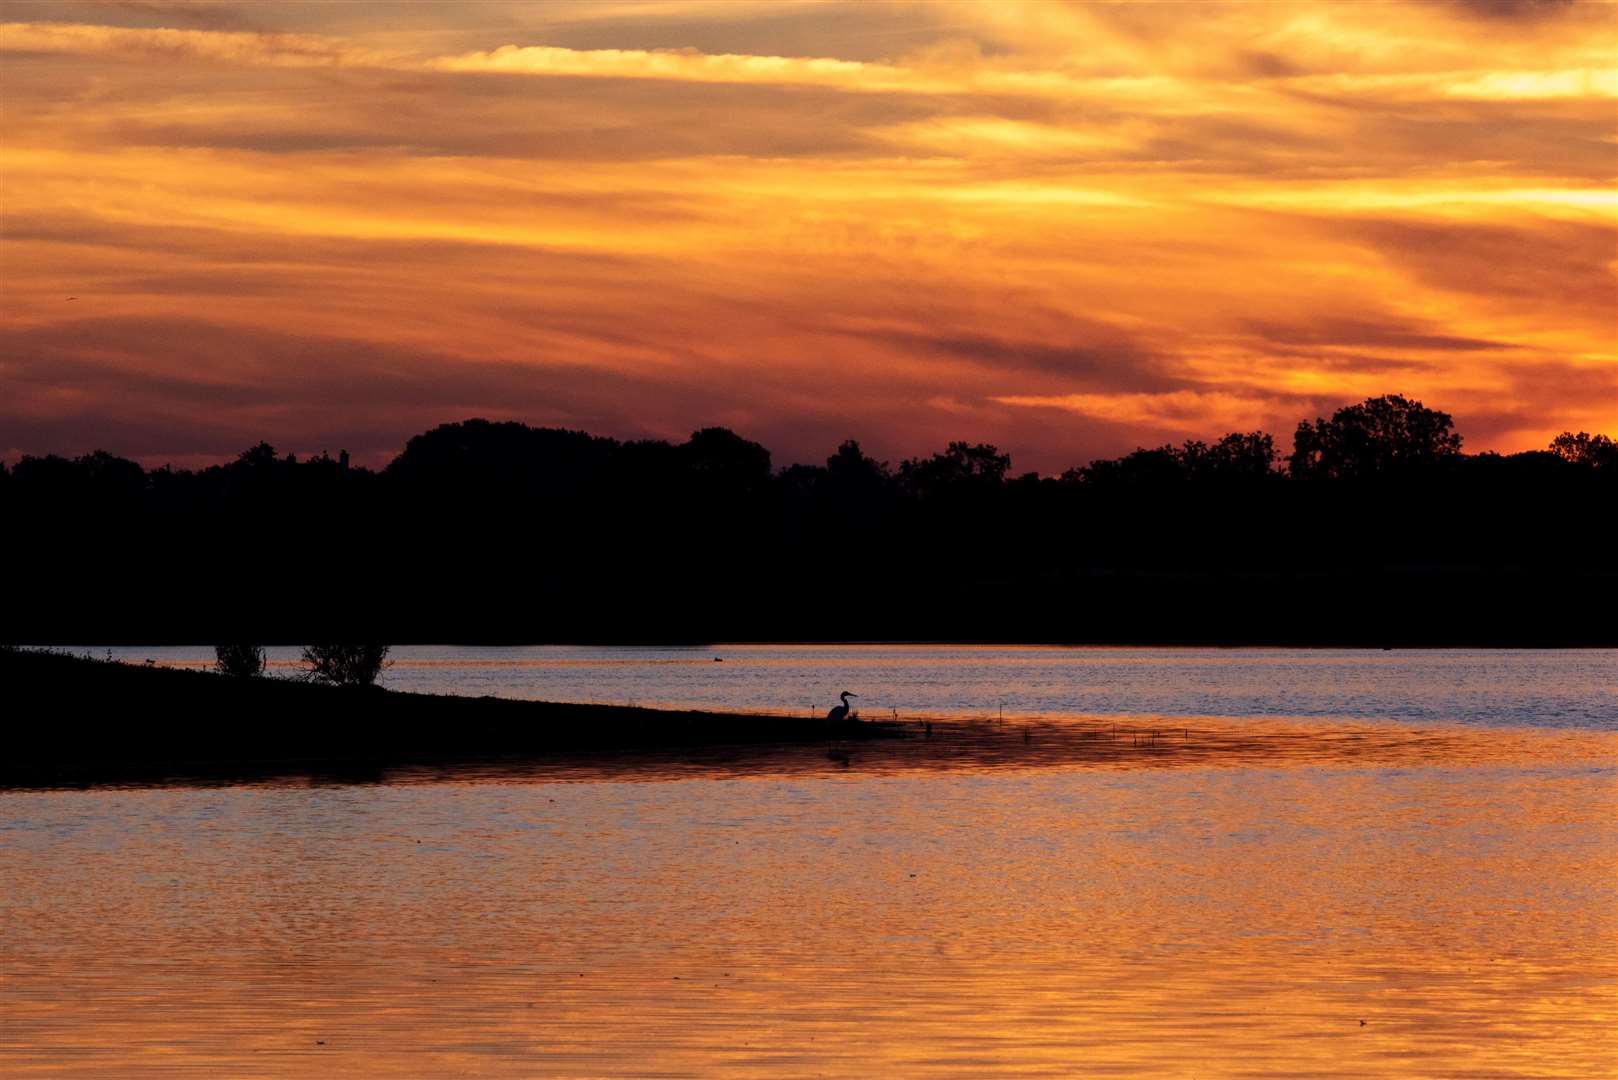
<point x="1379" y="436"/>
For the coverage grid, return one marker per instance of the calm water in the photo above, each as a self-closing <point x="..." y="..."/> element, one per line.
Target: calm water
<point x="1536" y="688"/>
<point x="1423" y="842"/>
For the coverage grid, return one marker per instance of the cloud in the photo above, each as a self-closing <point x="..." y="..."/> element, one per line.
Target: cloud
<point x="1567" y="265"/>
<point x="1068" y="229"/>
<point x="1100" y="356"/>
<point x="1352" y="333"/>
<point x="956" y="74"/>
<point x="206" y="14"/>
<point x="1187" y="412"/>
<point x="1515" y="9"/>
<point x="663" y="65"/>
<point x="224" y="47"/>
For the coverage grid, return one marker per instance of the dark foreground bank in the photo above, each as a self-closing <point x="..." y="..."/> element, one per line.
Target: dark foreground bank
<point x="80" y="720"/>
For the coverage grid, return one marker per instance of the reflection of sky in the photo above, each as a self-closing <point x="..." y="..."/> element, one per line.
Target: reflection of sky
<point x="1346" y="923"/>
<point x="1068" y="229"/>
<point x="1490" y="687"/>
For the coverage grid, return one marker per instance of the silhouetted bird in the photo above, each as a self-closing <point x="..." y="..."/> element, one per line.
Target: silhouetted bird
<point x="840" y="712"/>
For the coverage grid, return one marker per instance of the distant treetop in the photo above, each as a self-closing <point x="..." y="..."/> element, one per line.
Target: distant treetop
<point x="1595" y="451"/>
<point x="1379" y="436"/>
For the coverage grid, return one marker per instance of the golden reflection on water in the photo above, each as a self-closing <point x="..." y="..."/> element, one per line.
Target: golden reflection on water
<point x="1234" y="903"/>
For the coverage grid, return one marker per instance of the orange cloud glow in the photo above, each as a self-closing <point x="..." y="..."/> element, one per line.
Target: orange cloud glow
<point x="1069" y="229"/>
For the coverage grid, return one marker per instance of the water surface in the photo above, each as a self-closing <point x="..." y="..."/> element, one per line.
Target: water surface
<point x="1501" y="687"/>
<point x="1426" y="889"/>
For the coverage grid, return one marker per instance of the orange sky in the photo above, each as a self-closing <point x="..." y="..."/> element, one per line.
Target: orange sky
<point x="1069" y="229"/>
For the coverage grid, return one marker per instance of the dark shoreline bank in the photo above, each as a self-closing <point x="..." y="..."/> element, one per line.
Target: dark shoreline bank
<point x="79" y="721"/>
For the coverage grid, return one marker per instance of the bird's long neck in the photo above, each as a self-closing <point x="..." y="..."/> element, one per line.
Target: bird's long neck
<point x="844" y="696"/>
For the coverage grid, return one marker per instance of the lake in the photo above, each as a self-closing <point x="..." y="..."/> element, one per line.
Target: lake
<point x="1144" y="862"/>
<point x="1528" y="687"/>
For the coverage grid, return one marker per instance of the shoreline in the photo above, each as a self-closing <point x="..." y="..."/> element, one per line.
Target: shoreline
<point x="87" y="721"/>
<point x="84" y="726"/>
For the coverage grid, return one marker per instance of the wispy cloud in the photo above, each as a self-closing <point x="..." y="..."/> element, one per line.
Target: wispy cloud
<point x="1186" y="412"/>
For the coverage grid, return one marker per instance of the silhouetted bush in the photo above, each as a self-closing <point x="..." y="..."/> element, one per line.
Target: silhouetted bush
<point x="239" y="661"/>
<point x="345" y="665"/>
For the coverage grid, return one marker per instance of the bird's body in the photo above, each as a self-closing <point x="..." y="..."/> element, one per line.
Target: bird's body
<point x="839" y="713"/>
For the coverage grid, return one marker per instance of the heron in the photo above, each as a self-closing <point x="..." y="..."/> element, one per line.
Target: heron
<point x="840" y="713"/>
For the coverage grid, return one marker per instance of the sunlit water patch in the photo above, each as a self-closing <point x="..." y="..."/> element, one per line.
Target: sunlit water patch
<point x="1423" y="920"/>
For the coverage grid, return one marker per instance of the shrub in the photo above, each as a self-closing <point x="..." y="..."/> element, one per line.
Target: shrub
<point x="345" y="665"/>
<point x="239" y="661"/>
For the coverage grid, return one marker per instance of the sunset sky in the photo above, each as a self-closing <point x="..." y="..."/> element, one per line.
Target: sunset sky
<point x="1068" y="229"/>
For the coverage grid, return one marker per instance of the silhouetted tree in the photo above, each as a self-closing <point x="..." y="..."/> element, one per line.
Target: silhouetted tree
<point x="850" y="469"/>
<point x="239" y="661"/>
<point x="1238" y="456"/>
<point x="48" y="475"/>
<point x="1379" y="436"/>
<point x="819" y="504"/>
<point x="719" y="494"/>
<point x="345" y="665"/>
<point x="113" y="475"/>
<point x="1163" y="465"/>
<point x="257" y="458"/>
<point x="961" y="468"/>
<point x="858" y="488"/>
<point x="720" y="451"/>
<point x="476" y="459"/>
<point x="1595" y="451"/>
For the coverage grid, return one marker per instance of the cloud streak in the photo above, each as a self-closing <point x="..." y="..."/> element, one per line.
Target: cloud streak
<point x="947" y="75"/>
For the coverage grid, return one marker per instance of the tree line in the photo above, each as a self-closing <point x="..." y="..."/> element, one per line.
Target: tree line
<point x="1377" y="526"/>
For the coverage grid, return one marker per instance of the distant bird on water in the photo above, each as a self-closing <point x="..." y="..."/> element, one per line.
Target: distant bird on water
<point x="840" y="712"/>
